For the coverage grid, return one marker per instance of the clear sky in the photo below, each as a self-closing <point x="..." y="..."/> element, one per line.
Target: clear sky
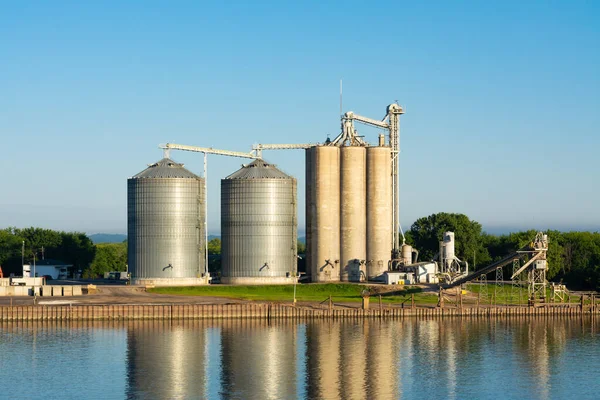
<point x="502" y="101"/>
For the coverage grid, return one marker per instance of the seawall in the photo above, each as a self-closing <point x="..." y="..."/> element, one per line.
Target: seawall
<point x="266" y="311"/>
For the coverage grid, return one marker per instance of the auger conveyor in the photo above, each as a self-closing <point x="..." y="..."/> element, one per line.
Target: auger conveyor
<point x="492" y="267"/>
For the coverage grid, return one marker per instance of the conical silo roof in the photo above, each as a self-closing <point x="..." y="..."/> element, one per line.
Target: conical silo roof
<point x="259" y="169"/>
<point x="165" y="168"/>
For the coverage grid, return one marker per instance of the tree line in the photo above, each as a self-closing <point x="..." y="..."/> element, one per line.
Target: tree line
<point x="573" y="257"/>
<point x="24" y="244"/>
<point x="75" y="248"/>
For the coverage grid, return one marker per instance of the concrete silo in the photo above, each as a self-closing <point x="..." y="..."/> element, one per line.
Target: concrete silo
<point x="258" y="225"/>
<point x="323" y="213"/>
<point x="353" y="221"/>
<point x="165" y="225"/>
<point x="379" y="210"/>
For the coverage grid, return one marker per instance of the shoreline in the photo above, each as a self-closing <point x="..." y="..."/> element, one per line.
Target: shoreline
<point x="268" y="311"/>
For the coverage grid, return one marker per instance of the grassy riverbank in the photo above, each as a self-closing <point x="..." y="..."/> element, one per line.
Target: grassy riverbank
<point x="506" y="294"/>
<point x="489" y="294"/>
<point x="304" y="292"/>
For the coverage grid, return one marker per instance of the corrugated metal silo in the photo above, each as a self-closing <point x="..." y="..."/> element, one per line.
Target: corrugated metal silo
<point x="258" y="225"/>
<point x="353" y="220"/>
<point x="165" y="225"/>
<point x="323" y="213"/>
<point x="379" y="210"/>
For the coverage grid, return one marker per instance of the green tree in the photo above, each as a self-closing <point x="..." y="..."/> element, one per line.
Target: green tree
<point x="301" y="248"/>
<point x="38" y="238"/>
<point x="214" y="247"/>
<point x="555" y="255"/>
<point x="10" y="246"/>
<point x="71" y="247"/>
<point x="426" y="233"/>
<point x="581" y="259"/>
<point x="214" y="256"/>
<point x="76" y="248"/>
<point x="109" y="257"/>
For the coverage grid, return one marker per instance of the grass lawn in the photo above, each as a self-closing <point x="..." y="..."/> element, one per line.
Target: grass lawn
<point x="351" y="292"/>
<point x="340" y="292"/>
<point x="506" y="294"/>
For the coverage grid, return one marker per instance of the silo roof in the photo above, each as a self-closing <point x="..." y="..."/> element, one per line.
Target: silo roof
<point x="259" y="169"/>
<point x="165" y="168"/>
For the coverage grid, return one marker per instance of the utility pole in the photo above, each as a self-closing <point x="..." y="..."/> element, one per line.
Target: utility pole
<point x="205" y="217"/>
<point x="297" y="278"/>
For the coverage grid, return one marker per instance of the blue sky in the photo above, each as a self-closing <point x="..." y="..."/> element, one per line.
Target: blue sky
<point x="502" y="101"/>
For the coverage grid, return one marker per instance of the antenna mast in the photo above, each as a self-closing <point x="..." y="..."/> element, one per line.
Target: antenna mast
<point x="341" y="98"/>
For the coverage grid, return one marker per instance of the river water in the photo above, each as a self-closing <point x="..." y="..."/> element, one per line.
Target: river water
<point x="512" y="358"/>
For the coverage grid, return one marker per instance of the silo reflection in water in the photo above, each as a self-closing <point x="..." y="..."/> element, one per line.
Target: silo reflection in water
<point x="353" y="348"/>
<point x="462" y="358"/>
<point x="352" y="360"/>
<point x="382" y="359"/>
<point x="165" y="361"/>
<point x="258" y="359"/>
<point x="323" y="360"/>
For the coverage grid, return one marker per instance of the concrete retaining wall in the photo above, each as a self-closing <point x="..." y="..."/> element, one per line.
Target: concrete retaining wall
<point x="267" y="311"/>
<point x="21" y="290"/>
<point x="24" y="281"/>
<point x="46" y="290"/>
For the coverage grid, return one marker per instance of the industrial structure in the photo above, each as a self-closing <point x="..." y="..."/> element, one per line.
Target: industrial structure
<point x="165" y="226"/>
<point x="258" y="225"/>
<point x="532" y="272"/>
<point x="348" y="212"/>
<point x="451" y="267"/>
<point x="352" y="203"/>
<point x="352" y="208"/>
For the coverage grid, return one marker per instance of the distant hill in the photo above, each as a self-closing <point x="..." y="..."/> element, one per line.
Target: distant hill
<point x="301" y="239"/>
<point x="107" y="237"/>
<point x="118" y="238"/>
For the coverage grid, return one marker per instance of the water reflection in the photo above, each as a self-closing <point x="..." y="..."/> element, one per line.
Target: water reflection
<point x="62" y="360"/>
<point x="352" y="360"/>
<point x="258" y="360"/>
<point x="245" y="359"/>
<point x="166" y="361"/>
